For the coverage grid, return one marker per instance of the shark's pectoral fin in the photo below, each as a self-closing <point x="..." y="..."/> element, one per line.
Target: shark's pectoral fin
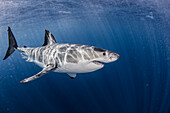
<point x="45" y="70"/>
<point x="72" y="75"/>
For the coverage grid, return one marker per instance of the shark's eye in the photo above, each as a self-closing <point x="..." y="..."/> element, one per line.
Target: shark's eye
<point x="104" y="54"/>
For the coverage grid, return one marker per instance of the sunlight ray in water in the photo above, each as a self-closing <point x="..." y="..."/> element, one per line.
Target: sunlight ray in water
<point x="137" y="82"/>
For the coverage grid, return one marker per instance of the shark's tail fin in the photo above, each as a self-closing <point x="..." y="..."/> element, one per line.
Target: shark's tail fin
<point x="12" y="44"/>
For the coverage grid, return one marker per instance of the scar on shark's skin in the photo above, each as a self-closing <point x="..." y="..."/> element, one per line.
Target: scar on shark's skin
<point x="61" y="58"/>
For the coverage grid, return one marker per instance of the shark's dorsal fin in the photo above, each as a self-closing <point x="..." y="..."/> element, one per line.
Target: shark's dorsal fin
<point x="49" y="38"/>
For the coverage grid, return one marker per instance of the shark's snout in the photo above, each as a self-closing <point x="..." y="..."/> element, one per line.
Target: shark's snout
<point x="114" y="56"/>
<point x="117" y="55"/>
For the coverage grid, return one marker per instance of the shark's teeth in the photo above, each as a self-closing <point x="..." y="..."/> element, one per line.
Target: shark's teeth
<point x="98" y="63"/>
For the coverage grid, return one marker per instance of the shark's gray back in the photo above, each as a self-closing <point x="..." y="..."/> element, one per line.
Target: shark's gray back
<point x="59" y="54"/>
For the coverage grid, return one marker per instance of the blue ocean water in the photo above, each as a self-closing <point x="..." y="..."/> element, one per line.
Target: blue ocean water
<point x="138" y="30"/>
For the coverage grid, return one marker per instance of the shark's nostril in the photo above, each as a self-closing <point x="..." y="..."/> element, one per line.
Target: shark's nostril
<point x="115" y="55"/>
<point x="118" y="55"/>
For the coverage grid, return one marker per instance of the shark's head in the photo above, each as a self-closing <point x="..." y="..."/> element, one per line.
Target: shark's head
<point x="104" y="56"/>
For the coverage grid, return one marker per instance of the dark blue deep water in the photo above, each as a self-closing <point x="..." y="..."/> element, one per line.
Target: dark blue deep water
<point x="138" y="30"/>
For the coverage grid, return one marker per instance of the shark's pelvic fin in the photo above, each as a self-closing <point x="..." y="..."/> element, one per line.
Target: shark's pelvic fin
<point x="72" y="75"/>
<point x="45" y="70"/>
<point x="49" y="38"/>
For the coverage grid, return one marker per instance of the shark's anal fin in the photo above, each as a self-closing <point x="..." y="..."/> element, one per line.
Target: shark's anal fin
<point x="45" y="70"/>
<point x="72" y="75"/>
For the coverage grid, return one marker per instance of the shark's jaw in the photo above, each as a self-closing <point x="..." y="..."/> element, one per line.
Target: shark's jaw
<point x="98" y="63"/>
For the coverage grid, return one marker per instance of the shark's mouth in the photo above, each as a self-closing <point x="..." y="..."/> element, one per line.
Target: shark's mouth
<point x="98" y="63"/>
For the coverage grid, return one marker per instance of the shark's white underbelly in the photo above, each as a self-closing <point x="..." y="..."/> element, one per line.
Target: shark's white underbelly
<point x="78" y="68"/>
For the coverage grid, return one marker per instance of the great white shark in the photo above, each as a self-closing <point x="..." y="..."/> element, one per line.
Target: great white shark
<point x="62" y="58"/>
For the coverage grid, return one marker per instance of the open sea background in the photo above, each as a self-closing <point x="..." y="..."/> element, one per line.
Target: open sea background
<point x="138" y="30"/>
